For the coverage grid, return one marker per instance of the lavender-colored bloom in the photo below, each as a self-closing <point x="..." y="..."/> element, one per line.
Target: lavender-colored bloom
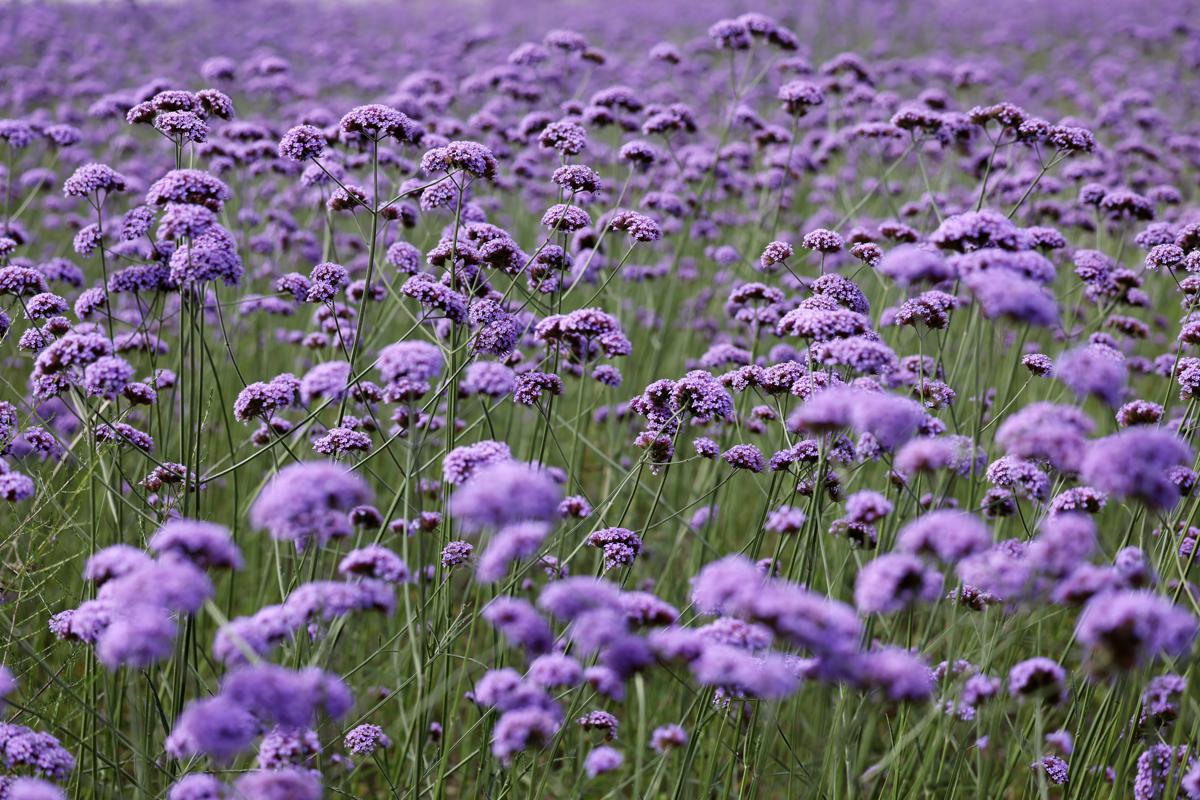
<point x="205" y="544"/>
<point x="374" y="561"/>
<point x="284" y="747"/>
<point x="302" y="143"/>
<point x="1129" y="628"/>
<point x="174" y="584"/>
<point x="1066" y="541"/>
<point x="505" y="493"/>
<point x="555" y="670"/>
<point x="566" y="599"/>
<point x="868" y="506"/>
<point x="217" y="727"/>
<point x="512" y="542"/>
<point x="286" y="697"/>
<point x="785" y="520"/>
<point x="1160" y="765"/>
<point x="1005" y="294"/>
<point x="1135" y="463"/>
<point x="721" y="586"/>
<point x="744" y="456"/>
<point x="668" y="737"/>
<point x="1054" y="433"/>
<point x="767" y="676"/>
<point x="283" y="784"/>
<point x="32" y="789"/>
<point x="893" y="582"/>
<point x="36" y="751"/>
<point x="640" y="227"/>
<point x="947" y="535"/>
<point x="601" y="760"/>
<point x="262" y="399"/>
<point x="309" y="502"/>
<point x="456" y="553"/>
<point x="600" y="720"/>
<point x="365" y="739"/>
<point x="339" y="441"/>
<point x="471" y="158"/>
<point x="1038" y="677"/>
<point x="520" y="623"/>
<point x="898" y="674"/>
<point x="378" y="121"/>
<point x="487" y="378"/>
<point x="92" y="179"/>
<point x="189" y="186"/>
<point x="318" y="601"/>
<point x="461" y="463"/>
<point x="412" y="360"/>
<point x="436" y="296"/>
<point x="909" y="264"/>
<point x="107" y="376"/>
<point x="114" y="561"/>
<point x="198" y="786"/>
<point x="520" y="729"/>
<point x="620" y="546"/>
<point x="1093" y="370"/>
<point x="889" y="419"/>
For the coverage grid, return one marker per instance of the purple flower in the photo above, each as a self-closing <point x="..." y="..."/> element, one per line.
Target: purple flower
<point x="504" y="493"/>
<point x="36" y="751"/>
<point x="512" y="542"/>
<point x="189" y="186"/>
<point x="92" y="179"/>
<point x="566" y="599"/>
<point x="1038" y="677"/>
<point x="1135" y="463"/>
<point x="456" y="553"/>
<point x="470" y="157"/>
<point x="283" y="747"/>
<point x="785" y="520"/>
<point x="1160" y="765"/>
<point x="520" y="623"/>
<point x="32" y="789"/>
<point x="378" y="121"/>
<point x="1129" y="628"/>
<point x="411" y="360"/>
<point x="198" y="786"/>
<point x="461" y="463"/>
<point x="1093" y="370"/>
<point x="894" y="581"/>
<point x="620" y="546"/>
<point x="283" y="784"/>
<point x="365" y="739"/>
<point x="897" y="673"/>
<point x="668" y="737"/>
<point x="172" y="584"/>
<point x="601" y="760"/>
<point x="1005" y="294"/>
<point x="520" y="729"/>
<point x="950" y="536"/>
<point x="309" y="502"/>
<point x="374" y="561"/>
<point x="1055" y="433"/>
<point x="205" y="544"/>
<point x="216" y="727"/>
<point x="744" y="456"/>
<point x="909" y="264"/>
<point x="768" y="675"/>
<point x="113" y="562"/>
<point x="302" y="143"/>
<point x="554" y="670"/>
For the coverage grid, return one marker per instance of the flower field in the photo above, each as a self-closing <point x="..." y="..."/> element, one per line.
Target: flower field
<point x="579" y="399"/>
